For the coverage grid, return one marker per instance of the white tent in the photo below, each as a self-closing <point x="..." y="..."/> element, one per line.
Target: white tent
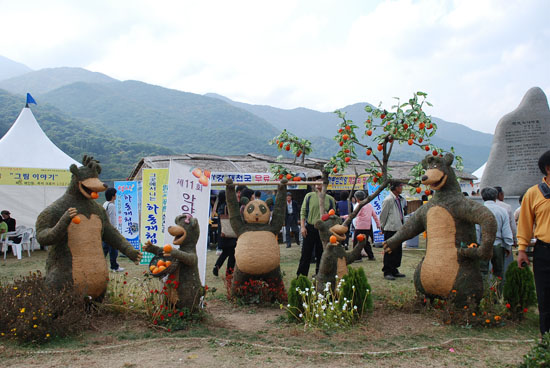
<point x="479" y="173"/>
<point x="33" y="170"/>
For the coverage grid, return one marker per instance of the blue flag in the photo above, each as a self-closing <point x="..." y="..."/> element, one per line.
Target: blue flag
<point x="30" y="99"/>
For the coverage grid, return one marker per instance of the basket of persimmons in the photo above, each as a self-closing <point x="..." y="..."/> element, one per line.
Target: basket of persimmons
<point x="164" y="264"/>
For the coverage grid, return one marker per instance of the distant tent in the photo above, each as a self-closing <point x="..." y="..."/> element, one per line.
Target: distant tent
<point x="479" y="173"/>
<point x="33" y="170"/>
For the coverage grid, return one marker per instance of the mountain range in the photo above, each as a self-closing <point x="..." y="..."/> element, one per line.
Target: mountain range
<point x="139" y="119"/>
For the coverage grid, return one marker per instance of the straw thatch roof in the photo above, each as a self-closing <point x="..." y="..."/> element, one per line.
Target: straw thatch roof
<point x="258" y="163"/>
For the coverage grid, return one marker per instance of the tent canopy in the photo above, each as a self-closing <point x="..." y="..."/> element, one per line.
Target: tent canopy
<point x="26" y="145"/>
<point x="479" y="173"/>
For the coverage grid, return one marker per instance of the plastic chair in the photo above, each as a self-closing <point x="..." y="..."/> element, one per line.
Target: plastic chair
<point x="16" y="248"/>
<point x="26" y="240"/>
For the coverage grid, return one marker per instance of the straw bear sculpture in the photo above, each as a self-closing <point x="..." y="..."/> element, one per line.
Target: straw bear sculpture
<point x="75" y="257"/>
<point x="187" y="291"/>
<point x="451" y="265"/>
<point x="257" y="253"/>
<point x="335" y="258"/>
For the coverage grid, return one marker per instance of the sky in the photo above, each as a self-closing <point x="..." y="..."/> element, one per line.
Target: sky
<point x="475" y="58"/>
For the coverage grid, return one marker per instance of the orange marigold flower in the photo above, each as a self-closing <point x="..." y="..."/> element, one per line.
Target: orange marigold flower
<point x="487" y="321"/>
<point x="473" y="314"/>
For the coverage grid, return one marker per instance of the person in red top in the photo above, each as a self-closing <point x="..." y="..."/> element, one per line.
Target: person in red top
<point x="363" y="223"/>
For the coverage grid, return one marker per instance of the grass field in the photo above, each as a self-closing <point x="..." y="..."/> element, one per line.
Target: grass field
<point x="231" y="335"/>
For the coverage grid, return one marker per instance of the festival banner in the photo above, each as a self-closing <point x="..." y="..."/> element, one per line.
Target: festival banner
<point x="218" y="179"/>
<point x="345" y="182"/>
<point x="127" y="209"/>
<point x="189" y="194"/>
<point x="376" y="203"/>
<point x="31" y="176"/>
<point x="153" y="202"/>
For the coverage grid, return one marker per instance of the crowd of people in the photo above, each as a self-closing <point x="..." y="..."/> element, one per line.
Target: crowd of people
<point x="300" y="219"/>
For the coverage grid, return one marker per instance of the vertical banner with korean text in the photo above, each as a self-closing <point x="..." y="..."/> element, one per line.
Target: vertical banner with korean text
<point x="127" y="211"/>
<point x="189" y="194"/>
<point x="154" y="189"/>
<point x="377" y="204"/>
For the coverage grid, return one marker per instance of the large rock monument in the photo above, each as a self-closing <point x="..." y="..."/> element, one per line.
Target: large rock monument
<point x="521" y="137"/>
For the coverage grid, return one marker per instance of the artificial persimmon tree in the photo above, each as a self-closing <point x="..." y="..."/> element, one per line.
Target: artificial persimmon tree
<point x="404" y="123"/>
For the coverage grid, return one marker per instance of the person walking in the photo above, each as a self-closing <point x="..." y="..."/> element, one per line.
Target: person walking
<point x="291" y="220"/>
<point x="225" y="243"/>
<point x="309" y="214"/>
<point x="364" y="223"/>
<point x="391" y="219"/>
<point x="500" y="202"/>
<point x="110" y="208"/>
<point x="535" y="209"/>
<point x="502" y="246"/>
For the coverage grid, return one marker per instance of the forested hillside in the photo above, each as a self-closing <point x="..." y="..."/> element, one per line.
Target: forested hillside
<point x="183" y="122"/>
<point x="76" y="138"/>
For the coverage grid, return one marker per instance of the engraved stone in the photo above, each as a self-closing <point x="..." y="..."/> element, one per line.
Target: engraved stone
<point x="521" y="137"/>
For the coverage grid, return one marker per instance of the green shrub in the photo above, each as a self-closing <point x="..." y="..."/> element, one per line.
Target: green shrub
<point x="295" y="301"/>
<point x="539" y="355"/>
<point x="31" y="312"/>
<point x="355" y="287"/>
<point x="519" y="290"/>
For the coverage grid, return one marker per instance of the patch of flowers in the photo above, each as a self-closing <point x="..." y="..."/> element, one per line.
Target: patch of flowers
<point x="329" y="308"/>
<point x="32" y="312"/>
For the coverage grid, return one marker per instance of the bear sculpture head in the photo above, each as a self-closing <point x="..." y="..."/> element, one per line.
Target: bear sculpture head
<point x="256" y="212"/>
<point x="439" y="174"/>
<point x="186" y="231"/>
<point x="85" y="179"/>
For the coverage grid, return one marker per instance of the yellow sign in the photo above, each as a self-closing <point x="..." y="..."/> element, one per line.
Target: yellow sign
<point x="153" y="206"/>
<point x="345" y="182"/>
<point x="30" y="176"/>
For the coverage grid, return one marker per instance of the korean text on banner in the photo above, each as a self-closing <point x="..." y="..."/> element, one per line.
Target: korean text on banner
<point x="154" y="190"/>
<point x="187" y="196"/>
<point x="218" y="179"/>
<point x="29" y="176"/>
<point x="345" y="182"/>
<point x="127" y="211"/>
<point x="377" y="205"/>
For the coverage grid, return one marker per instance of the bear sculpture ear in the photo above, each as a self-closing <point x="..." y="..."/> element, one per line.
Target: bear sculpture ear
<point x="74" y="169"/>
<point x="449" y="158"/>
<point x="269" y="201"/>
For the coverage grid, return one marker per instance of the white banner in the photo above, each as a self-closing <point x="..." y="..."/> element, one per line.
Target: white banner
<point x="189" y="193"/>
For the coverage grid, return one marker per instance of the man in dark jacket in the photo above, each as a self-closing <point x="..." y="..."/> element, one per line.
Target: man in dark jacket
<point x="291" y="219"/>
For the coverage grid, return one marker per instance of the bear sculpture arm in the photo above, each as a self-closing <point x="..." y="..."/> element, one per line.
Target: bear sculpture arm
<point x="479" y="214"/>
<point x="279" y="210"/>
<point x="187" y="258"/>
<point x="355" y="254"/>
<point x="150" y="248"/>
<point x="48" y="233"/>
<point x="115" y="239"/>
<point x="414" y="226"/>
<point x="233" y="208"/>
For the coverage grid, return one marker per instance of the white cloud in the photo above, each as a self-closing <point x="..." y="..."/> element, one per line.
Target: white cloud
<point x="475" y="58"/>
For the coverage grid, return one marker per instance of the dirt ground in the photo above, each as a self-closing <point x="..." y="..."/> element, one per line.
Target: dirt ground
<point x="233" y="336"/>
<point x="237" y="336"/>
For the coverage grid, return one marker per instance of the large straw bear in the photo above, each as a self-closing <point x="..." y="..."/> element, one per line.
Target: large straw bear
<point x="335" y="259"/>
<point x="186" y="233"/>
<point x="449" y="219"/>
<point x="257" y="253"/>
<point x="75" y="256"/>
